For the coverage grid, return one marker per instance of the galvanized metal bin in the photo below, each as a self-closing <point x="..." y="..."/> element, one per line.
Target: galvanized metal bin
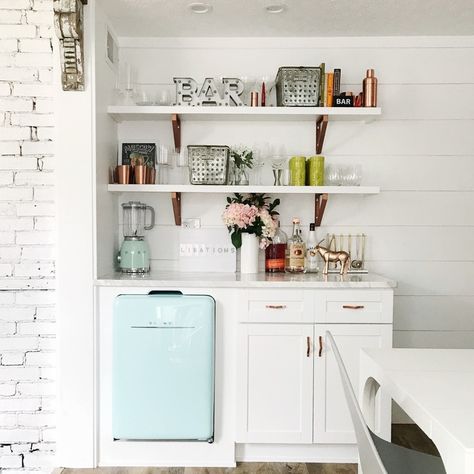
<point x="298" y="86"/>
<point x="208" y="164"/>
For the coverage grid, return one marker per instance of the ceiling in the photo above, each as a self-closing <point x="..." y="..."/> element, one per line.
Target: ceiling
<point x="231" y="18"/>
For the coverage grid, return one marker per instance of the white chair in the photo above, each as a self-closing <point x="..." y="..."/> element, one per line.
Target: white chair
<point x="377" y="456"/>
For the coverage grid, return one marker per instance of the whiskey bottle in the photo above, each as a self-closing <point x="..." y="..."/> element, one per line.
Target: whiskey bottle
<point x="275" y="253"/>
<point x="296" y="250"/>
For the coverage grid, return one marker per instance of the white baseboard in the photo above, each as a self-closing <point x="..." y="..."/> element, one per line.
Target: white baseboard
<point x="328" y="453"/>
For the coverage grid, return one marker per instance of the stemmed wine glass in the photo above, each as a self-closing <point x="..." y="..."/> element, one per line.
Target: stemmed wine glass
<point x="278" y="164"/>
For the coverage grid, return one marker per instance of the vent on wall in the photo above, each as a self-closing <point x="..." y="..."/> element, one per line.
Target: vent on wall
<point x="112" y="49"/>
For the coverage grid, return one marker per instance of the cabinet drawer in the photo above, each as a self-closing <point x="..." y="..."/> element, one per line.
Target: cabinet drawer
<point x="275" y="306"/>
<point x="354" y="306"/>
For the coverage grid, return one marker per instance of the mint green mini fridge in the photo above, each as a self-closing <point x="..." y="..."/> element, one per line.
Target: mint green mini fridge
<point x="163" y="367"/>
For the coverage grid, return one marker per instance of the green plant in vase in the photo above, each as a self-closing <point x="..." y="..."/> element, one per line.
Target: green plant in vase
<point x="242" y="159"/>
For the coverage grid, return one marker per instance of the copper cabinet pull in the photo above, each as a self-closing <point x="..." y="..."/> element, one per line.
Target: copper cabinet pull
<point x="308" y="346"/>
<point x="353" y="306"/>
<point x="320" y="353"/>
<point x="275" y="306"/>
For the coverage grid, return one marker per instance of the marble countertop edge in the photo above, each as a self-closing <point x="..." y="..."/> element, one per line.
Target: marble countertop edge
<point x="237" y="280"/>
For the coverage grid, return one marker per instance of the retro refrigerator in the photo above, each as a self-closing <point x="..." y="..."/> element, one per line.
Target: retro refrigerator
<point x="163" y="367"/>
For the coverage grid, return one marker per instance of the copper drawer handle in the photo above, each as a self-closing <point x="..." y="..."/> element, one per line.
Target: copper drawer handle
<point x="353" y="306"/>
<point x="320" y="353"/>
<point x="275" y="306"/>
<point x="308" y="346"/>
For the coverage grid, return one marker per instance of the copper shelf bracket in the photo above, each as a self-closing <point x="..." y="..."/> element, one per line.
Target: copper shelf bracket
<point x="176" y="201"/>
<point x="176" y="122"/>
<point x="320" y="201"/>
<point x="321" y="126"/>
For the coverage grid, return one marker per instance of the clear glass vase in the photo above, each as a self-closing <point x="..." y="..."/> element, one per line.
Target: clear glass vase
<point x="241" y="177"/>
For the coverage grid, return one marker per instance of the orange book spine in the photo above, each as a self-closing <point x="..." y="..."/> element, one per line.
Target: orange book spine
<point x="330" y="89"/>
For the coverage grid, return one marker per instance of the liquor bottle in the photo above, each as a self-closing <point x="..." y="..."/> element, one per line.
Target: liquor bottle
<point x="311" y="252"/>
<point x="296" y="250"/>
<point x="275" y="253"/>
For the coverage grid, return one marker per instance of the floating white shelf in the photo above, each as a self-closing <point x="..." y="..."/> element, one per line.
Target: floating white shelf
<point x="122" y="113"/>
<point x="175" y="114"/>
<point x="205" y="189"/>
<point x="320" y="193"/>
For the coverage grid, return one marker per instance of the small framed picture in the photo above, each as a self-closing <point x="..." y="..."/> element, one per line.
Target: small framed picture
<point x="142" y="152"/>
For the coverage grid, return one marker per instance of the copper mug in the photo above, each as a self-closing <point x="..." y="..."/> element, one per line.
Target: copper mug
<point x="140" y="174"/>
<point x="122" y="172"/>
<point x="150" y="175"/>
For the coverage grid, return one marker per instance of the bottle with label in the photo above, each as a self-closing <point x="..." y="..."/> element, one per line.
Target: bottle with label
<point x="275" y="253"/>
<point x="311" y="251"/>
<point x="296" y="250"/>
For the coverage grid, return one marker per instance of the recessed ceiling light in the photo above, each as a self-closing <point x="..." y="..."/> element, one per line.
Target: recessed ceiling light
<point x="275" y="7"/>
<point x="200" y="7"/>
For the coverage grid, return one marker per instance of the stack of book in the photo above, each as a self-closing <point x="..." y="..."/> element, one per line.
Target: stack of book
<point x="330" y="86"/>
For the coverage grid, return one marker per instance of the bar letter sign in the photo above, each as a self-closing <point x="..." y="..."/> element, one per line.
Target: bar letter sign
<point x="189" y="93"/>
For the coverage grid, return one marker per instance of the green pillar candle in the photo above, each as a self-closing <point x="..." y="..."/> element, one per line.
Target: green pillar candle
<point x="297" y="171"/>
<point x="316" y="171"/>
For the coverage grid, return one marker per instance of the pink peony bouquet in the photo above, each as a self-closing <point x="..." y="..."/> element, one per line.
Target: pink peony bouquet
<point x="253" y="214"/>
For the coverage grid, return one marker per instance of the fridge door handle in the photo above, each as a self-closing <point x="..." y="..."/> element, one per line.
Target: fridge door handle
<point x="165" y="292"/>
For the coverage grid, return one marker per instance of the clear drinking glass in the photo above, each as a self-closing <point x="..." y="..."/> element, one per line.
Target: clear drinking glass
<point x="258" y="164"/>
<point x="332" y="175"/>
<point x="127" y="78"/>
<point x="164" y="97"/>
<point x="181" y="160"/>
<point x="351" y="175"/>
<point x="117" y="94"/>
<point x="286" y="177"/>
<point x="164" y="158"/>
<point x="356" y="175"/>
<point x="162" y="175"/>
<point x="143" y="96"/>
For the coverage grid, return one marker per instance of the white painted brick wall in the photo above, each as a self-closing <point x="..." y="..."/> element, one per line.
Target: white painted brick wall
<point x="27" y="315"/>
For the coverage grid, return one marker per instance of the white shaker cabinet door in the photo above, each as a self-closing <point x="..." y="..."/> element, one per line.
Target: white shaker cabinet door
<point x="275" y="383"/>
<point x="332" y="421"/>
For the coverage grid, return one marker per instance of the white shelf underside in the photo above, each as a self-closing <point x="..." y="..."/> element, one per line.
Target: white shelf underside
<point x="141" y="113"/>
<point x="217" y="189"/>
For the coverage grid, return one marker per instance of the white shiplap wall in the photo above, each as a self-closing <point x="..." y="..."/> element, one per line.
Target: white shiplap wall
<point x="421" y="152"/>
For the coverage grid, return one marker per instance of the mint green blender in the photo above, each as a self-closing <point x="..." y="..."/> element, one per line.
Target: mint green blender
<point x="134" y="255"/>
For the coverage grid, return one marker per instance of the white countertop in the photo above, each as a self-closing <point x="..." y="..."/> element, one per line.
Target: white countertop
<point x="255" y="280"/>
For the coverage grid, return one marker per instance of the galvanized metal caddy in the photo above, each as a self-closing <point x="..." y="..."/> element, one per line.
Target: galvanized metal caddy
<point x="298" y="86"/>
<point x="208" y="164"/>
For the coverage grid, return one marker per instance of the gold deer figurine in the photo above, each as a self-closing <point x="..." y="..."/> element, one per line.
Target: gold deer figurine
<point x="332" y="256"/>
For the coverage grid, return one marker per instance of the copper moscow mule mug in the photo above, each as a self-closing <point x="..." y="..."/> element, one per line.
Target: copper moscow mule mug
<point x="123" y="174"/>
<point x="150" y="175"/>
<point x="140" y="174"/>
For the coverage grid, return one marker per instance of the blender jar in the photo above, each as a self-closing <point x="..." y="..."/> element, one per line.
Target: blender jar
<point x="134" y="219"/>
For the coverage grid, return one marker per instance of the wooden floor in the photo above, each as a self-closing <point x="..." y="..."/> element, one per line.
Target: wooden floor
<point x="409" y="436"/>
